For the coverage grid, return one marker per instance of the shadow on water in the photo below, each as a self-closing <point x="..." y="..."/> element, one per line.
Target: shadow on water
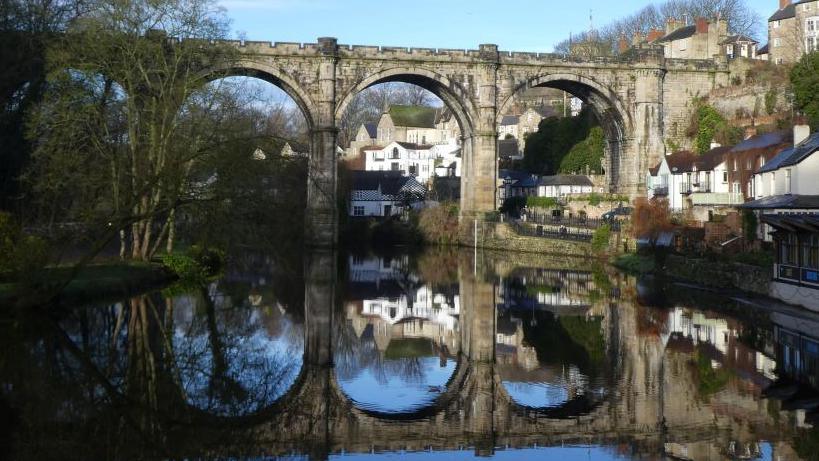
<point x="411" y="355"/>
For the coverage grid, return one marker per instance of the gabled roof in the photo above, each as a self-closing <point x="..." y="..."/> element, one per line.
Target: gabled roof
<point x="681" y="161"/>
<point x="784" y="202"/>
<point x="679" y="34"/>
<point x="413" y="116"/>
<point x="802" y="151"/>
<point x="711" y="159"/>
<point x="515" y="175"/>
<point x="738" y="39"/>
<point x="785" y="13"/>
<point x="763" y="50"/>
<point x="509" y="120"/>
<point x="372" y="130"/>
<point x="389" y="182"/>
<point x="565" y="180"/>
<point x="764" y="141"/>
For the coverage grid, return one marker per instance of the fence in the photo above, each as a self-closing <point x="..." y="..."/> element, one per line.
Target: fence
<point x="561" y="233"/>
<point x="574" y="221"/>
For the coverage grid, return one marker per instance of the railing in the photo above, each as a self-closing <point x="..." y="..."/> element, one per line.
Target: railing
<point x="560" y="233"/>
<point x="660" y="190"/>
<point x="574" y="221"/>
<point x="717" y="198"/>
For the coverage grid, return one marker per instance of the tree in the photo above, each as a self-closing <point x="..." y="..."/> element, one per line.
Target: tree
<point x="556" y="136"/>
<point x="805" y="82"/>
<point x="115" y="140"/>
<point x="586" y="157"/>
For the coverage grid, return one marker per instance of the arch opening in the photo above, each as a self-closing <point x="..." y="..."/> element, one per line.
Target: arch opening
<point x="572" y="96"/>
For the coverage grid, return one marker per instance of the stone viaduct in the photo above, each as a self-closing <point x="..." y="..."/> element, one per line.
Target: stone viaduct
<point x="475" y="411"/>
<point x="641" y="99"/>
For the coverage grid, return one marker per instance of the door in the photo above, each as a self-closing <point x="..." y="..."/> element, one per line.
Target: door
<point x="387" y="210"/>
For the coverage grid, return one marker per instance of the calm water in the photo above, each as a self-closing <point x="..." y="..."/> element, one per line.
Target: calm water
<point x="441" y="355"/>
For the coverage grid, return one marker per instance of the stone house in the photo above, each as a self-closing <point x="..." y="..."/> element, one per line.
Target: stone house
<point x="508" y="127"/>
<point x="415" y="124"/>
<point x="702" y="40"/>
<point x="383" y="193"/>
<point x="793" y="30"/>
<point x="367" y="135"/>
<point x="740" y="46"/>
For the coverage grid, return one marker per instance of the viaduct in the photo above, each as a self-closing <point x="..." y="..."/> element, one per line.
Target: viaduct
<point x="641" y="98"/>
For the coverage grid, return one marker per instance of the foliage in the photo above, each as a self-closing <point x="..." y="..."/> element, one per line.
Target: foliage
<point x="704" y="126"/>
<point x="633" y="263"/>
<point x="184" y="266"/>
<point x="650" y="218"/>
<point x="440" y="224"/>
<point x="600" y="238"/>
<point x="805" y="83"/>
<point x="546" y="148"/>
<point x="710" y="380"/>
<point x="762" y="259"/>
<point x="770" y="101"/>
<point x="542" y="202"/>
<point x="19" y="253"/>
<point x="586" y="157"/>
<point x="594" y="199"/>
<point x="586" y="333"/>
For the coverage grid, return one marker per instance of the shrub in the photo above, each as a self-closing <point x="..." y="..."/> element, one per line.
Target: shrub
<point x="542" y="202"/>
<point x="600" y="239"/>
<point x="440" y="224"/>
<point x="595" y="199"/>
<point x="513" y="205"/>
<point x="185" y="267"/>
<point x="770" y="101"/>
<point x="19" y="253"/>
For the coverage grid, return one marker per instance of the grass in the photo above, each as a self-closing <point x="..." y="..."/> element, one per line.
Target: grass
<point x="635" y="264"/>
<point x="90" y="283"/>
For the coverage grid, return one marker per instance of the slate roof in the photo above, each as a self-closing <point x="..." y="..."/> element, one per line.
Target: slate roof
<point x="413" y="146"/>
<point x="373" y="147"/>
<point x="514" y="175"/>
<point x="372" y="130"/>
<point x="738" y="39"/>
<point x="783" y="202"/>
<point x="679" y="34"/>
<point x="413" y="116"/>
<point x="509" y="120"/>
<point x="763" y="50"/>
<point x="785" y="13"/>
<point x="798" y="153"/>
<point x="711" y="159"/>
<point x="391" y="183"/>
<point x="792" y="222"/>
<point x="763" y="141"/>
<point x="565" y="180"/>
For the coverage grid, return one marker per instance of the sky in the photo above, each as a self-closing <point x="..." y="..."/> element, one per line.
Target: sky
<point x="513" y="25"/>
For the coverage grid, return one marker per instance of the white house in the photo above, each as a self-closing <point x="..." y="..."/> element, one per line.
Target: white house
<point x="423" y="162"/>
<point x="383" y="193"/>
<point x="563" y="185"/>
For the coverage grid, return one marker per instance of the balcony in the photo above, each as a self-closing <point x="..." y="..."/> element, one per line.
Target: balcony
<point x="660" y="191"/>
<point x="717" y="198"/>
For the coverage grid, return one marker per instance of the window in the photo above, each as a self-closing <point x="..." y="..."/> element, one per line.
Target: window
<point x="748" y="164"/>
<point x="378" y="155"/>
<point x="810" y="44"/>
<point x="810" y="251"/>
<point x="413" y="170"/>
<point x="761" y="161"/>
<point x="395" y="166"/>
<point x="777" y="42"/>
<point x="358" y="210"/>
<point x="789" y="250"/>
<point x="395" y="153"/>
<point x="735" y="188"/>
<point x="735" y="164"/>
<point x="788" y="181"/>
<point x="724" y="177"/>
<point x="776" y="24"/>
<point x="423" y="140"/>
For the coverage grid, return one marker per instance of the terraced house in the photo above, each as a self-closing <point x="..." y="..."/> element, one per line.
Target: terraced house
<point x="793" y="30"/>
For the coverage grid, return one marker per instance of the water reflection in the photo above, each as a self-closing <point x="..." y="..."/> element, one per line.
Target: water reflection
<point x="432" y="356"/>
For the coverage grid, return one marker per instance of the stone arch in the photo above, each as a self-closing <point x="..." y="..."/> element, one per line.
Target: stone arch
<point x="452" y="94"/>
<point x="274" y="76"/>
<point x="607" y="106"/>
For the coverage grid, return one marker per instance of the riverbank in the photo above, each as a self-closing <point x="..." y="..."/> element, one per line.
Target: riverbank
<point x="90" y="283"/>
<point x="713" y="274"/>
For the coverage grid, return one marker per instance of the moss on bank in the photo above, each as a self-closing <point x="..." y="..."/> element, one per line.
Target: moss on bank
<point x="635" y="264"/>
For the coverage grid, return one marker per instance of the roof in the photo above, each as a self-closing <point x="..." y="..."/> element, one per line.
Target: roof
<point x="711" y="159"/>
<point x="508" y="148"/>
<point x="508" y="120"/>
<point x="413" y="146"/>
<point x="389" y="182"/>
<point x="372" y="130"/>
<point x="373" y="147"/>
<point x="655" y="169"/>
<point x="681" y="161"/>
<point x="515" y="175"/>
<point x="413" y="116"/>
<point x="793" y="222"/>
<point x="784" y="202"/>
<point x="565" y="180"/>
<point x="763" y="50"/>
<point x="764" y="141"/>
<point x="785" y="13"/>
<point x="545" y="111"/>
<point x="737" y="39"/>
<point x="679" y="34"/>
<point x="794" y="155"/>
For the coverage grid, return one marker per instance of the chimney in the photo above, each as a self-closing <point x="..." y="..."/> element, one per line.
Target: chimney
<point x="637" y="39"/>
<point x="623" y="45"/>
<point x="800" y="133"/>
<point x="702" y="25"/>
<point x="784" y="4"/>
<point x="670" y="25"/>
<point x="654" y="35"/>
<point x="750" y="132"/>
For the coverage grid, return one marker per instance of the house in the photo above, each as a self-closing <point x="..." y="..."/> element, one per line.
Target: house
<point x="420" y="161"/>
<point x="294" y="150"/>
<point x="762" y="54"/>
<point x="746" y="157"/>
<point x="672" y="179"/>
<point x="366" y="135"/>
<point x="513" y="183"/>
<point x="383" y="193"/>
<point x="563" y="185"/>
<point x="793" y="31"/>
<point x="702" y="40"/>
<point x="416" y="124"/>
<point x="508" y="127"/>
<point x="740" y="46"/>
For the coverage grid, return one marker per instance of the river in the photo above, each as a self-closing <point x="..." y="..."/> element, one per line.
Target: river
<point x="443" y="354"/>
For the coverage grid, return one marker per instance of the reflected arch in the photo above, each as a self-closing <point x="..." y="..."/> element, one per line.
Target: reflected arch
<point x="605" y="104"/>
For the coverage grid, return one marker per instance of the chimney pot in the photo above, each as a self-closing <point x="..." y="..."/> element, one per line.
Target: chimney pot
<point x="784" y="4"/>
<point x="623" y="45"/>
<point x="800" y="133"/>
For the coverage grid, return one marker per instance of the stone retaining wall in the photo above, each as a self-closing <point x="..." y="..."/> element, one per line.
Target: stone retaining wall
<point x="713" y="274"/>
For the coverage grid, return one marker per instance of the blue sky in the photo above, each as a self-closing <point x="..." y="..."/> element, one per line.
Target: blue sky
<point x="519" y="25"/>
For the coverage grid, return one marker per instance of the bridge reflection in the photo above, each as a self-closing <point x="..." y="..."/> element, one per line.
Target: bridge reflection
<point x="495" y="354"/>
